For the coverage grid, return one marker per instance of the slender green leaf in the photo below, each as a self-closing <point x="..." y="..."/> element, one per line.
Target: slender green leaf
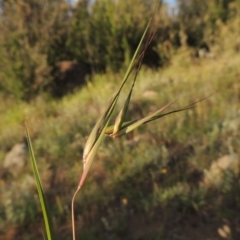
<point x="91" y="156"/>
<point x="142" y="121"/>
<point x="44" y="207"/>
<point x="122" y="114"/>
<point x="131" y="125"/>
<point x="109" y="129"/>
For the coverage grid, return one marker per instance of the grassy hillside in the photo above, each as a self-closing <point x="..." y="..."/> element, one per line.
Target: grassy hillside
<point x="157" y="183"/>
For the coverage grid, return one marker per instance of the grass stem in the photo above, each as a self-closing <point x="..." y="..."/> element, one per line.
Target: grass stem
<point x="73" y="217"/>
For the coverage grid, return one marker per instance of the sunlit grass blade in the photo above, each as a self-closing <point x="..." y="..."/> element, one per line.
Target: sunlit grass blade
<point x="142" y="121"/>
<point x="92" y="155"/>
<point x="131" y="125"/>
<point x="91" y="139"/>
<point x="109" y="129"/>
<point x="122" y="114"/>
<point x="190" y="106"/>
<point x="130" y="67"/>
<point x="43" y="203"/>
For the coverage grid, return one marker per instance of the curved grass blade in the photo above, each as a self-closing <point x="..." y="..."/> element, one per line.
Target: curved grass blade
<point x="131" y="125"/>
<point x="43" y="203"/>
<point x="109" y="129"/>
<point x="122" y="114"/>
<point x="143" y="120"/>
<point x="91" y="155"/>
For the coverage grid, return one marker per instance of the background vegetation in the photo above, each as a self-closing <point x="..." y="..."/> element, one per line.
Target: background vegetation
<point x="162" y="181"/>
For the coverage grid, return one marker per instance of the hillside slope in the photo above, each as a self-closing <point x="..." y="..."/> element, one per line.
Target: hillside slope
<point x="174" y="178"/>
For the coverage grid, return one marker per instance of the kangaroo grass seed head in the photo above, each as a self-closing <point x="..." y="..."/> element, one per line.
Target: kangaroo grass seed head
<point x="121" y="125"/>
<point x="96" y="136"/>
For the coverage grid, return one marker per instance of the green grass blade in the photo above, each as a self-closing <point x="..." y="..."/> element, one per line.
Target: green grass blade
<point x="92" y="139"/>
<point x="130" y="67"/>
<point x="168" y="113"/>
<point x="126" y="130"/>
<point x="109" y="129"/>
<point x="143" y="120"/>
<point x="91" y="156"/>
<point x="122" y="114"/>
<point x="131" y="125"/>
<point x="43" y="203"/>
